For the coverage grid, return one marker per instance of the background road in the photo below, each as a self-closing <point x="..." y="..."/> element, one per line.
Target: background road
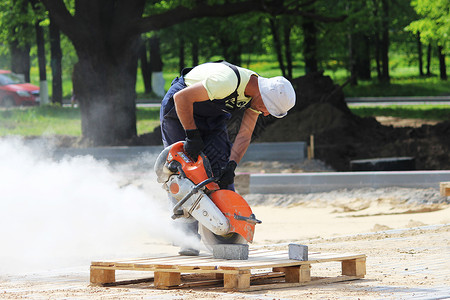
<point x="445" y="100"/>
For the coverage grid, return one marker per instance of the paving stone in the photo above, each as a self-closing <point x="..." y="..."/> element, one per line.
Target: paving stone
<point x="298" y="252"/>
<point x="231" y="251"/>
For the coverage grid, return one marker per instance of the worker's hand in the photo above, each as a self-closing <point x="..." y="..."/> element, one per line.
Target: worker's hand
<point x="194" y="143"/>
<point x="227" y="175"/>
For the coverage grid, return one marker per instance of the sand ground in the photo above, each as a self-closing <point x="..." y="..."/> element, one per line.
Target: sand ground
<point x="405" y="234"/>
<point x="407" y="247"/>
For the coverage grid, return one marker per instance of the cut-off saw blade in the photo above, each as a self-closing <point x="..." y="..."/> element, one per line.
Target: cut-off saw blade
<point x="210" y="239"/>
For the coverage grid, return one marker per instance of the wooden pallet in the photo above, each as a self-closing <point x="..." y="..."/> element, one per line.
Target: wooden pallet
<point x="233" y="274"/>
<point x="445" y="188"/>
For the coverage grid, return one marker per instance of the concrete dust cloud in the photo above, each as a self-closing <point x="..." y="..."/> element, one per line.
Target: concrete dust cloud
<point x="67" y="213"/>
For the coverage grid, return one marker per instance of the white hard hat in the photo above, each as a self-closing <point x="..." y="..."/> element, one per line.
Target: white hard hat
<point x="277" y="94"/>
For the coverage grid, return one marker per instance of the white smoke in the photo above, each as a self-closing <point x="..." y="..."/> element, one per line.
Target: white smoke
<point x="68" y="213"/>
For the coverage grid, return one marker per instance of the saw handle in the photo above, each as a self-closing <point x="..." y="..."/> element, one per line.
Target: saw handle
<point x="252" y="219"/>
<point x="188" y="195"/>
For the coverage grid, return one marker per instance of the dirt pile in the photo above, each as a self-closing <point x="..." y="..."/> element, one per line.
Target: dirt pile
<point x="340" y="137"/>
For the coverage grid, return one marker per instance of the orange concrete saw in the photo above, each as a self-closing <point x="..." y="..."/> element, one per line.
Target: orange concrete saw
<point x="223" y="215"/>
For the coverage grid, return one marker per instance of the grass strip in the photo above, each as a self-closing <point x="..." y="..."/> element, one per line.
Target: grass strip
<point x="436" y="112"/>
<point x="56" y="120"/>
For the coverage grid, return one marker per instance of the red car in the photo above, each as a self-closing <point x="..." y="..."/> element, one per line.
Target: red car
<point x="14" y="91"/>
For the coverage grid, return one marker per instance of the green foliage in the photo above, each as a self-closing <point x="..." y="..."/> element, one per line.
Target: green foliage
<point x="251" y="32"/>
<point x="217" y="38"/>
<point x="16" y="23"/>
<point x="434" y="22"/>
<point x="427" y="112"/>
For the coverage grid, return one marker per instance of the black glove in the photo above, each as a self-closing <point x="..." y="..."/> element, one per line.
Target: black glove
<point x="194" y="143"/>
<point x="227" y="174"/>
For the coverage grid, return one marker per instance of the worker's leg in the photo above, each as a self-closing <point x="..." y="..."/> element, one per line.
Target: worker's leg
<point x="171" y="129"/>
<point x="172" y="132"/>
<point x="189" y="227"/>
<point x="218" y="149"/>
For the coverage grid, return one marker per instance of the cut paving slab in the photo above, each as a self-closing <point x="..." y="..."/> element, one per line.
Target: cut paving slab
<point x="328" y="181"/>
<point x="298" y="252"/>
<point x="230" y="251"/>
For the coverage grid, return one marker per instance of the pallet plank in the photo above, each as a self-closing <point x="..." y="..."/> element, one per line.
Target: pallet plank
<point x="234" y="274"/>
<point x="237" y="281"/>
<point x="101" y="276"/>
<point x="208" y="262"/>
<point x="164" y="280"/>
<point x="354" y="267"/>
<point x="297" y="284"/>
<point x="445" y="189"/>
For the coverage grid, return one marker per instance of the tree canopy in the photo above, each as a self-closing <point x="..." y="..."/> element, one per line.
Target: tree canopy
<point x="103" y="41"/>
<point x="434" y="21"/>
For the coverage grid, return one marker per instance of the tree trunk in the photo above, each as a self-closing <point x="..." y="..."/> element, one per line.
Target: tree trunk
<point x="363" y="57"/>
<point x="145" y="68"/>
<point x="377" y="56"/>
<point x="156" y="66"/>
<point x="20" y="51"/>
<point x="377" y="40"/>
<point x="429" y="60"/>
<point x="156" y="63"/>
<point x="420" y="54"/>
<point x="41" y="52"/>
<point x="56" y="56"/>
<point x="20" y="59"/>
<point x="43" y="91"/>
<point x="351" y="50"/>
<point x="195" y="51"/>
<point x="182" y="64"/>
<point x="310" y="45"/>
<point x="287" y="49"/>
<point x="104" y="81"/>
<point x="385" y="42"/>
<point x="352" y="60"/>
<point x="442" y="68"/>
<point x="231" y="48"/>
<point x="236" y="54"/>
<point x="277" y="44"/>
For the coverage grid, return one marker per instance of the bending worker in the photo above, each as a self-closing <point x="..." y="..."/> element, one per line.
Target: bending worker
<point x="200" y="102"/>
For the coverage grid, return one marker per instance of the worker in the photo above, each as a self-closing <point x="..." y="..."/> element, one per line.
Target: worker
<point x="200" y="102"/>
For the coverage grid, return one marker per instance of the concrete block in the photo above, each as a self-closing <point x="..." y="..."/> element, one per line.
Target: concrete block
<point x="384" y="164"/>
<point x="231" y="251"/>
<point x="298" y="252"/>
<point x="284" y="151"/>
<point x="328" y="181"/>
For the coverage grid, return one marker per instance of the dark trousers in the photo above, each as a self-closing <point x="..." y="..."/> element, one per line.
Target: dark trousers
<point x="212" y="129"/>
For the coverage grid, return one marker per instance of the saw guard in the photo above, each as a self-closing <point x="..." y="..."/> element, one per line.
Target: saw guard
<point x="230" y="204"/>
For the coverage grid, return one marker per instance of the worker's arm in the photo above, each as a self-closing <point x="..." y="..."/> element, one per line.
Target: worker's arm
<point x="244" y="136"/>
<point x="184" y="103"/>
